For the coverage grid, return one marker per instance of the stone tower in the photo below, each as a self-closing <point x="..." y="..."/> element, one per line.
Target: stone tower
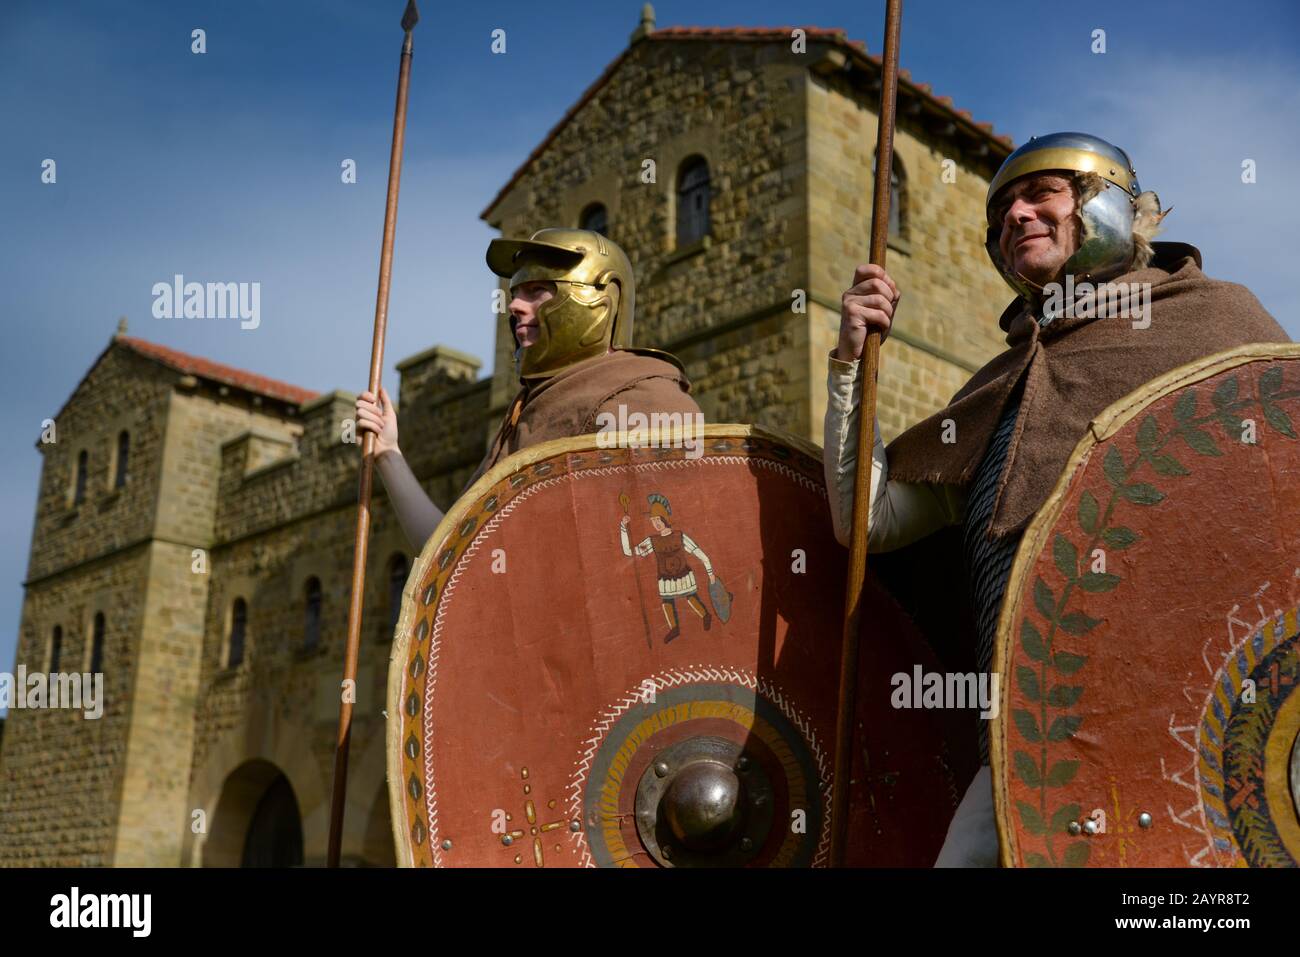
<point x="735" y="168"/>
<point x="118" y="581"/>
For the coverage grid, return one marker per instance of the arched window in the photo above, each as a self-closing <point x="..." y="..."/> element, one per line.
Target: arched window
<point x="56" y="648"/>
<point x="123" y="453"/>
<point x="79" y="482"/>
<point x="595" y="218"/>
<point x="238" y="629"/>
<point x="897" y="198"/>
<point x="311" y="630"/>
<point x="692" y="201"/>
<point x="97" y="645"/>
<point x="396" y="582"/>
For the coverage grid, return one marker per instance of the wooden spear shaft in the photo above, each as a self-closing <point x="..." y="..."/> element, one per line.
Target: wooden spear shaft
<point x="338" y="797"/>
<point x="847" y="705"/>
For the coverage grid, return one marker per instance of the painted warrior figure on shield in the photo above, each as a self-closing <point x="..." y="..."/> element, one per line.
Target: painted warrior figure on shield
<point x="1064" y="212"/>
<point x="572" y="305"/>
<point x="670" y="548"/>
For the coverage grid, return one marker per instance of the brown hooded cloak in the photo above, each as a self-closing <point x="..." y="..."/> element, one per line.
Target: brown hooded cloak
<point x="567" y="403"/>
<point x="1073" y="369"/>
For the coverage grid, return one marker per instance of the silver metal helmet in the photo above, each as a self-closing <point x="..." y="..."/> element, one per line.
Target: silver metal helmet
<point x="1106" y="241"/>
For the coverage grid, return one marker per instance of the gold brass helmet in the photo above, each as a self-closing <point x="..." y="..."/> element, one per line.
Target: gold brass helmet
<point x="595" y="296"/>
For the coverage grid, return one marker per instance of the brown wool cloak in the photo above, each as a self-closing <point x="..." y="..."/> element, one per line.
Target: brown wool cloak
<point x="567" y="404"/>
<point x="1074" y="369"/>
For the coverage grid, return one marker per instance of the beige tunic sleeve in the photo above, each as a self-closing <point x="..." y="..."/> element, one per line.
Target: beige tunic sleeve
<point x="900" y="512"/>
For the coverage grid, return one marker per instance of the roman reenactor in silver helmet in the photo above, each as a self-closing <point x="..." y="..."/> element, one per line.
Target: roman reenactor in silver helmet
<point x="1100" y="310"/>
<point x="571" y="314"/>
<point x="1116" y="220"/>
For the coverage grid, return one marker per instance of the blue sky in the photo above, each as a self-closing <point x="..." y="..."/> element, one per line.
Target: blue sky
<point x="225" y="166"/>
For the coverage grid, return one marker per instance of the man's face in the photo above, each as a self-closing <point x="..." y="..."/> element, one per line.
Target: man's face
<point x="1039" y="228"/>
<point x="526" y="299"/>
<point x="657" y="524"/>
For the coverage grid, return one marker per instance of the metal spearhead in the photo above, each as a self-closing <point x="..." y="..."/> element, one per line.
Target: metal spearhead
<point x="411" y="17"/>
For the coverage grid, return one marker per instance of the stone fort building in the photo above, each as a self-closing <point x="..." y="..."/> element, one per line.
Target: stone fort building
<point x="193" y="531"/>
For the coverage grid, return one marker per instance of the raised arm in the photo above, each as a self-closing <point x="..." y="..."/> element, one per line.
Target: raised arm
<point x="416" y="513"/>
<point x="900" y="512"/>
<point x="641" y="549"/>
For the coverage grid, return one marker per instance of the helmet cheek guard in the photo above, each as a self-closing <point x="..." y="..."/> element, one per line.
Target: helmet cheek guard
<point x="573" y="325"/>
<point x="1106" y="235"/>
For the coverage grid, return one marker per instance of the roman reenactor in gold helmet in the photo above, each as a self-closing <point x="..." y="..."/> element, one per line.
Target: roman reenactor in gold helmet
<point x="1065" y="217"/>
<point x="573" y="297"/>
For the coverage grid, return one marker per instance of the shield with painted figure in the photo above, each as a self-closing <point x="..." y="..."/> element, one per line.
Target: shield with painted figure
<point x="1149" y="636"/>
<point x="565" y="690"/>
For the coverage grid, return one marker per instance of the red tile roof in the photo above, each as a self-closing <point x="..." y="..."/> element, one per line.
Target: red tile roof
<point x="856" y="48"/>
<point x="216" y="371"/>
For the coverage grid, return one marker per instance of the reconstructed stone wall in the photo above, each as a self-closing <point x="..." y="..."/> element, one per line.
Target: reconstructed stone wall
<point x="946" y="324"/>
<point x="122" y="391"/>
<point x="61" y="775"/>
<point x="284" y="521"/>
